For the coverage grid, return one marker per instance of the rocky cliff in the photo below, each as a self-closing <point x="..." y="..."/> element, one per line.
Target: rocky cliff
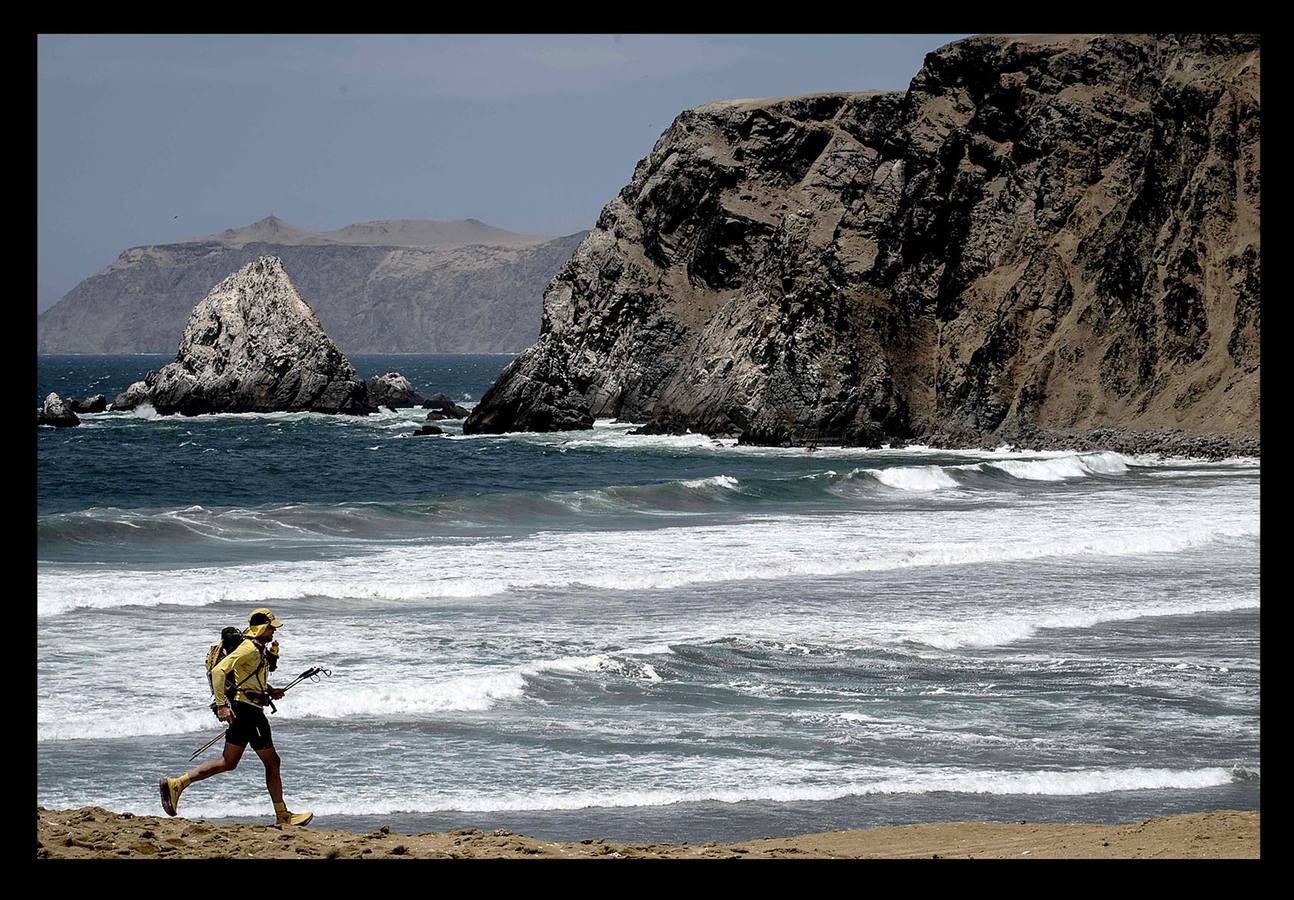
<point x="253" y="344"/>
<point x="394" y="286"/>
<point x="1040" y="236"/>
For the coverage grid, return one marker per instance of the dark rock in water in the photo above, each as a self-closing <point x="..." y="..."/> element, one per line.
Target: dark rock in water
<point x="392" y="390"/>
<point x="96" y="404"/>
<point x="534" y="392"/>
<point x="665" y="421"/>
<point x="670" y="421"/>
<point x="1055" y="231"/>
<point x="254" y="345"/>
<point x="56" y="412"/>
<point x="430" y="429"/>
<point x="442" y="403"/>
<point x="133" y="396"/>
<point x="437" y="416"/>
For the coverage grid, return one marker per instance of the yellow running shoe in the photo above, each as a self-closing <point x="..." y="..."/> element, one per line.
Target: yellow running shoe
<point x="171" y="788"/>
<point x="291" y="818"/>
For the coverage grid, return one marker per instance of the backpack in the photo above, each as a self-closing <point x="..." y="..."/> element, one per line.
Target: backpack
<point x="230" y="640"/>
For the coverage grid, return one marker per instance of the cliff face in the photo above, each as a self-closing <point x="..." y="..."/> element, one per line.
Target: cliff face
<point x="382" y="287"/>
<point x="1047" y="233"/>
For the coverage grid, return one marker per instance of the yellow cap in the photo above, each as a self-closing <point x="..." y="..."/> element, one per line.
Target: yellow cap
<point x="263" y="616"/>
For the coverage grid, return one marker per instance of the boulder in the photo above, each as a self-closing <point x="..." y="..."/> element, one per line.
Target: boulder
<point x="96" y="404"/>
<point x="442" y="403"/>
<point x="429" y="429"/>
<point x="392" y="390"/>
<point x="55" y="412"/>
<point x="253" y="344"/>
<point x="133" y="396"/>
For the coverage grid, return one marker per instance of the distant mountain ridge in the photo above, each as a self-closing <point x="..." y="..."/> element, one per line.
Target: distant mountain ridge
<point x="387" y="286"/>
<point x="425" y="233"/>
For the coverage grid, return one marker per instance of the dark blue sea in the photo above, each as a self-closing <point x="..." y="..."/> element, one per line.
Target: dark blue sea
<point x="597" y="634"/>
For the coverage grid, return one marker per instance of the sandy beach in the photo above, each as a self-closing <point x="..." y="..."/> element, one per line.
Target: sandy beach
<point x="94" y="832"/>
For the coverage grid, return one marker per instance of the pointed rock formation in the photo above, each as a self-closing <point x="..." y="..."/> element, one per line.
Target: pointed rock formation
<point x="255" y="345"/>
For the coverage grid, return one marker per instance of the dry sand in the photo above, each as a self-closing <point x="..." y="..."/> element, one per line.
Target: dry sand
<point x="97" y="833"/>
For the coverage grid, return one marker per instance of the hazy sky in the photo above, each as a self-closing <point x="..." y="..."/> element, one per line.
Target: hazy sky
<point x="149" y="139"/>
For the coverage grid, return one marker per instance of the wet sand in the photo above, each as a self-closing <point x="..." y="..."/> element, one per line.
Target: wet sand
<point x="93" y="832"/>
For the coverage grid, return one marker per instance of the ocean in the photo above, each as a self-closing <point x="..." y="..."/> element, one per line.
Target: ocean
<point x="641" y="638"/>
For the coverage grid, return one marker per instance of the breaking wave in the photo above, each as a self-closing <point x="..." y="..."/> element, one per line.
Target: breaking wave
<point x="1107" y="463"/>
<point x="286" y="523"/>
<point x="804" y="547"/>
<point x="785" y="783"/>
<point x="390" y="700"/>
<point x="913" y="478"/>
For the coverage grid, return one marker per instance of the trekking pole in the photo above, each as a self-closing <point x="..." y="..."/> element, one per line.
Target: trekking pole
<point x="311" y="674"/>
<point x="207" y="745"/>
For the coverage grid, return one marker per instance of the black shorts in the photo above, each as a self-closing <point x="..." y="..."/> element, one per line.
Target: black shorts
<point x="250" y="727"/>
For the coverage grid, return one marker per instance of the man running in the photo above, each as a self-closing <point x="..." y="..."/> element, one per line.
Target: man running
<point x="249" y="663"/>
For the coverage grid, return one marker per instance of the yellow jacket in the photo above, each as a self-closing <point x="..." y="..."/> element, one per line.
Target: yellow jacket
<point x="249" y="662"/>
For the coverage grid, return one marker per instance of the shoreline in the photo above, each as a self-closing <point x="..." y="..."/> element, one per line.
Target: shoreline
<point x="1176" y="444"/>
<point x="1168" y="443"/>
<point x="97" y="833"/>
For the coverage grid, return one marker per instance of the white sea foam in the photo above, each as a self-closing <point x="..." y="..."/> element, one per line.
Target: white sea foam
<point x="1027" y="465"/>
<point x="787" y="547"/>
<point x="726" y="482"/>
<point x="86" y="721"/>
<point x="1105" y="463"/>
<point x="1057" y="469"/>
<point x="1189" y="473"/>
<point x="359" y="692"/>
<point x="716" y="783"/>
<point x="996" y="630"/>
<point x="913" y="478"/>
<point x="605" y="434"/>
<point x="601" y="662"/>
<point x="388" y="700"/>
<point x="1153" y="460"/>
<point x="466" y="693"/>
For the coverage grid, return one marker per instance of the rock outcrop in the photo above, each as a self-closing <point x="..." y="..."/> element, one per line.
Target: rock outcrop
<point x="135" y="395"/>
<point x="442" y="404"/>
<point x="394" y="286"/>
<point x="392" y="390"/>
<point x="1040" y="235"/>
<point x="254" y="345"/>
<point x="96" y="404"/>
<point x="56" y="412"/>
